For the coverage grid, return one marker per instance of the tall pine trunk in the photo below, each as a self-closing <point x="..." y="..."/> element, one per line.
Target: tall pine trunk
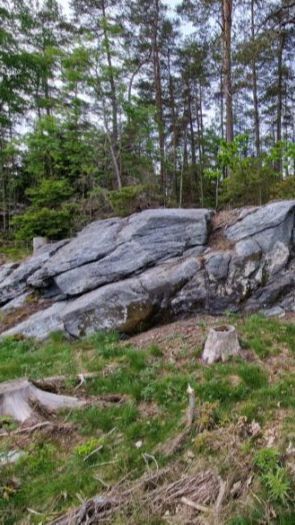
<point x="227" y="77"/>
<point x="281" y="43"/>
<point x="115" y="150"/>
<point x="159" y="97"/>
<point x="254" y="86"/>
<point x="174" y="125"/>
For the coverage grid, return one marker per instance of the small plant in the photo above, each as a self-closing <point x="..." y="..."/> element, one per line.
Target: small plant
<point x="87" y="447"/>
<point x="273" y="476"/>
<point x="267" y="459"/>
<point x="277" y="484"/>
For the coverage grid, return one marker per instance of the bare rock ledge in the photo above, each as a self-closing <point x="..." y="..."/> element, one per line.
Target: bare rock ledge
<point x="125" y="274"/>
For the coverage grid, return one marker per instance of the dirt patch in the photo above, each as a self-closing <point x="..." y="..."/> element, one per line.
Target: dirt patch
<point x="148" y="409"/>
<point x="177" y="339"/>
<point x="220" y="222"/>
<point x="18" y="315"/>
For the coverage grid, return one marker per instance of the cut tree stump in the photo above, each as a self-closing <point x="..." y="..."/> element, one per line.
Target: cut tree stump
<point x="18" y="397"/>
<point x="222" y="342"/>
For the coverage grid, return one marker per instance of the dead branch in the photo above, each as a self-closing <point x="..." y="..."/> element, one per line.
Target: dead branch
<point x="28" y="430"/>
<point x="191" y="406"/>
<point x="54" y="383"/>
<point x="193" y="505"/>
<point x="154" y="491"/>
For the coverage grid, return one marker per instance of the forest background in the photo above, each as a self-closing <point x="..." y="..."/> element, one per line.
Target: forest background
<point x="108" y="107"/>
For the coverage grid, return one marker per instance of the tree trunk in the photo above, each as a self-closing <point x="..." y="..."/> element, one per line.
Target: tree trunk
<point x="199" y="114"/>
<point x="281" y="44"/>
<point x="174" y="127"/>
<point x="115" y="150"/>
<point x="254" y="85"/>
<point x="159" y="98"/>
<point x="221" y="106"/>
<point x="227" y="81"/>
<point x="191" y="126"/>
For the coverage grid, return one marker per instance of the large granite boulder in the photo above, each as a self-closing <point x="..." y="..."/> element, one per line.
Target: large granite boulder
<point x="14" y="278"/>
<point x="114" y="249"/>
<point x="265" y="225"/>
<point x="126" y="274"/>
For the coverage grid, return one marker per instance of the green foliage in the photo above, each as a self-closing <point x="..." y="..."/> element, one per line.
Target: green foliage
<point x="51" y="223"/>
<point x="273" y="476"/>
<point x="249" y="182"/>
<point x="132" y="198"/>
<point x="284" y="189"/>
<point x="87" y="447"/>
<point x="49" y="193"/>
<point x="49" y="214"/>
<point x="267" y="459"/>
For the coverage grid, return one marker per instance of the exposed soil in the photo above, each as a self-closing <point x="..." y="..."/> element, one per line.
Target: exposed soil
<point x="18" y="315"/>
<point x="173" y="338"/>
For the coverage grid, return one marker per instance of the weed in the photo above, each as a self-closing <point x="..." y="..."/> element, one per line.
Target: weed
<point x="278" y="485"/>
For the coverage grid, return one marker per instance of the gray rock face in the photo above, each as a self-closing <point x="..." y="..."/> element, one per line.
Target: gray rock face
<point x="126" y="274"/>
<point x="15" y="282"/>
<point x="266" y="225"/>
<point x="115" y="249"/>
<point x="40" y="324"/>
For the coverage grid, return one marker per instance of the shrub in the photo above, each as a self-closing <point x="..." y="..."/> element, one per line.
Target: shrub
<point x="133" y="198"/>
<point x="54" y="224"/>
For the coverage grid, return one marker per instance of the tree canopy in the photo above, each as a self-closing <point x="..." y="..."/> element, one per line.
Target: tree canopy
<point x="114" y="106"/>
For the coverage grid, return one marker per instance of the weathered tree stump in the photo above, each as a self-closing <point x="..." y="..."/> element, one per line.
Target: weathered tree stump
<point x="222" y="342"/>
<point x="38" y="243"/>
<point x="17" y="399"/>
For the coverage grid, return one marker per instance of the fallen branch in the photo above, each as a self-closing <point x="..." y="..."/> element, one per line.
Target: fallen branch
<point x="152" y="491"/>
<point x="191" y="406"/>
<point x="26" y="430"/>
<point x="54" y="383"/>
<point x="221" y="495"/>
<point x="193" y="505"/>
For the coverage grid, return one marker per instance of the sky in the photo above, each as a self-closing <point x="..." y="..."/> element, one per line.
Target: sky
<point x="171" y="4"/>
<point x="186" y="28"/>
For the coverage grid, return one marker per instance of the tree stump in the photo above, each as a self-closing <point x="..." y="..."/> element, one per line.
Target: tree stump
<point x="38" y="243"/>
<point x="17" y="399"/>
<point x="222" y="342"/>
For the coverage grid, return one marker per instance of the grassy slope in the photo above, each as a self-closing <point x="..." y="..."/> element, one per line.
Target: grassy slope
<point x="53" y="476"/>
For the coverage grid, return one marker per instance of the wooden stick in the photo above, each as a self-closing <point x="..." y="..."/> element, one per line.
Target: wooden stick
<point x="193" y="505"/>
<point x="93" y="452"/>
<point x="28" y="429"/>
<point x="221" y="495"/>
<point x="190" y="416"/>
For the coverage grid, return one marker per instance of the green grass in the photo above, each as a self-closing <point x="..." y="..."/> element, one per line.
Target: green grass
<point x="54" y="474"/>
<point x="15" y="251"/>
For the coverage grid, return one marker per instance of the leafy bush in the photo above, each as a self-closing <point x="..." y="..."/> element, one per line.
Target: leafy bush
<point x="49" y="193"/>
<point x="54" y="224"/>
<point x="284" y="189"/>
<point x="133" y="198"/>
<point x="49" y="214"/>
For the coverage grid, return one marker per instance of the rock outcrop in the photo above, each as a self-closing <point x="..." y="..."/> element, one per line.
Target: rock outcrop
<point x="125" y="274"/>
